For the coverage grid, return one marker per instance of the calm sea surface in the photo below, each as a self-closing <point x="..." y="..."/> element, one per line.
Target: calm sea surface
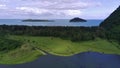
<point x="82" y="60"/>
<point x="57" y="22"/>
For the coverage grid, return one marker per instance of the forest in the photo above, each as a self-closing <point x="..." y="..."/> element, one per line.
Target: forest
<point x="111" y="26"/>
<point x="71" y="33"/>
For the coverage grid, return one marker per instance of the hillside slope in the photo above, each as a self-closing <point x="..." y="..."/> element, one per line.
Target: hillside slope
<point x="112" y="25"/>
<point x="113" y="20"/>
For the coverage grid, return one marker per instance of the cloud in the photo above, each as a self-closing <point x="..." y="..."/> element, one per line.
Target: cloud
<point x="54" y="7"/>
<point x="60" y="4"/>
<point x="73" y="12"/>
<point x="3" y="6"/>
<point x="46" y="8"/>
<point x="38" y="11"/>
<point x="32" y="10"/>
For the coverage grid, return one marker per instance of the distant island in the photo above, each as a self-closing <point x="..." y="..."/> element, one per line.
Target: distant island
<point x="77" y="19"/>
<point x="37" y="20"/>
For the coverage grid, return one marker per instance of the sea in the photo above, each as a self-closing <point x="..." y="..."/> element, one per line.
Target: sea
<point x="57" y="22"/>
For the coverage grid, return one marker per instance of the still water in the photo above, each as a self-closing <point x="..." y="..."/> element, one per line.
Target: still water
<point x="82" y="60"/>
<point x="57" y="22"/>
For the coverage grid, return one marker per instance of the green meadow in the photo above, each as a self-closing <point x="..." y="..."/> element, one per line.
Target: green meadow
<point x="34" y="46"/>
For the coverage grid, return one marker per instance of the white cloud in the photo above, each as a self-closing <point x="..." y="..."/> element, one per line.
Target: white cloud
<point x="46" y="7"/>
<point x="54" y="7"/>
<point x="38" y="11"/>
<point x="73" y="12"/>
<point x="32" y="10"/>
<point x="3" y="6"/>
<point x="60" y="4"/>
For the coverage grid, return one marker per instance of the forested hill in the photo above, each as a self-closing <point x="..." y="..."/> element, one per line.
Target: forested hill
<point x="112" y="25"/>
<point x="113" y="20"/>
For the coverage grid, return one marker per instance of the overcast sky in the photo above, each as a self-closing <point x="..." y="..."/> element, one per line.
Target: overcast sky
<point x="88" y="9"/>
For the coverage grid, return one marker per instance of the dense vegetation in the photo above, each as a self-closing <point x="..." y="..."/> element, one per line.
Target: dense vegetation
<point x="112" y="26"/>
<point x="72" y="33"/>
<point x="7" y="44"/>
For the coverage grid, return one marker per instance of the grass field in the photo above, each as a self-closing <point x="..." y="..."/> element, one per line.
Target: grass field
<point x="20" y="55"/>
<point x="33" y="46"/>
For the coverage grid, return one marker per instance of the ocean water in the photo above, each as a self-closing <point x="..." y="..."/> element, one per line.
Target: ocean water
<point x="57" y="22"/>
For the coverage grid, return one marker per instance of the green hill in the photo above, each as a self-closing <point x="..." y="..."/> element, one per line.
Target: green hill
<point x="113" y="20"/>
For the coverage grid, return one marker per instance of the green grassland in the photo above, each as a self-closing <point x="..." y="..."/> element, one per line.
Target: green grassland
<point x="34" y="47"/>
<point x="20" y="55"/>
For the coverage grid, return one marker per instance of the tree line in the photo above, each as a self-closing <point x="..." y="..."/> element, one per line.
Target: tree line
<point x="72" y="33"/>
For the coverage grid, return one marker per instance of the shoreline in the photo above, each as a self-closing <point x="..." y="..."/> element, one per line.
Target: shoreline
<point x="56" y="48"/>
<point x="87" y="52"/>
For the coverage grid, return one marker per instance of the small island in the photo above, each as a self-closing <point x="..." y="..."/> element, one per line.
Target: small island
<point x="37" y="20"/>
<point x="77" y="19"/>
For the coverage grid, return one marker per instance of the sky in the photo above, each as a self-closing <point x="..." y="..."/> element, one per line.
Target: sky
<point x="57" y="9"/>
